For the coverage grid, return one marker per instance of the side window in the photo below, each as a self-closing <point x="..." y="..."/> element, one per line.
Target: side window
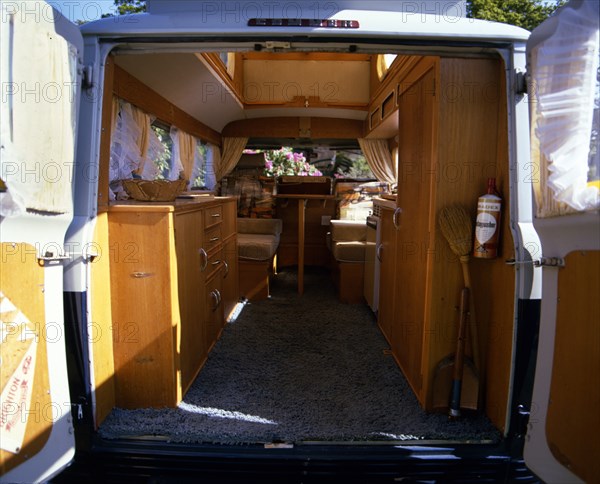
<point x="164" y="160"/>
<point x="199" y="174"/>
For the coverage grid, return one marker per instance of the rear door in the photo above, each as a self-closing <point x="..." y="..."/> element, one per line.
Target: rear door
<point x="562" y="443"/>
<point x="40" y="63"/>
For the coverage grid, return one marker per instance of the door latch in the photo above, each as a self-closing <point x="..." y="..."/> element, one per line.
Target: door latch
<point x="542" y="262"/>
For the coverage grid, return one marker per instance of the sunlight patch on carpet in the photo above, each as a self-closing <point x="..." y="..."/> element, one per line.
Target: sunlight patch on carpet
<point x="220" y="413"/>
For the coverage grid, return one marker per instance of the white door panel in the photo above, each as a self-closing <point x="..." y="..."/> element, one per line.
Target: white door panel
<point x="561" y="446"/>
<point x="41" y="56"/>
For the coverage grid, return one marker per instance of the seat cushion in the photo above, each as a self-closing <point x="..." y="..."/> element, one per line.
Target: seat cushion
<point x="257" y="246"/>
<point x="348" y="230"/>
<point x="266" y="226"/>
<point x="353" y="251"/>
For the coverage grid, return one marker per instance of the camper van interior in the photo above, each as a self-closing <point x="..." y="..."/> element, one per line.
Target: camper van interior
<point x="294" y="238"/>
<point x="298" y="248"/>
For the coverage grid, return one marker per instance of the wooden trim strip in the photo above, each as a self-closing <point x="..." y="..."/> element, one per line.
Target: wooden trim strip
<point x="294" y="127"/>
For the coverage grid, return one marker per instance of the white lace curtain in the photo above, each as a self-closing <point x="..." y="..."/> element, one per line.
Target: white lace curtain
<point x="134" y="144"/>
<point x="565" y="81"/>
<point x="224" y="160"/>
<point x="379" y="158"/>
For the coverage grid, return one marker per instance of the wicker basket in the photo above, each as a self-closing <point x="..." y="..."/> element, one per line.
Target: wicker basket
<point x="154" y="190"/>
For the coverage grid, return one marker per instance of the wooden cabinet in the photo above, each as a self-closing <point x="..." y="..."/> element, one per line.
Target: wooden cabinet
<point x="386" y="252"/>
<point x="190" y="283"/>
<point x="316" y="210"/>
<point x="451" y="138"/>
<point x="167" y="277"/>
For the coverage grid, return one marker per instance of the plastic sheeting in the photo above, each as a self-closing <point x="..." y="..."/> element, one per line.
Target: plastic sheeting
<point x="39" y="85"/>
<point x="565" y="83"/>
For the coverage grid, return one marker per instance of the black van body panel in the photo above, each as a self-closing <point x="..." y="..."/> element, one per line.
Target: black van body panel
<point x="153" y="462"/>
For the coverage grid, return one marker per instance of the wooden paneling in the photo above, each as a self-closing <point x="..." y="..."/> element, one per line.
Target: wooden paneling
<point x="387" y="277"/>
<point x="193" y="347"/>
<point x="295" y="127"/>
<point x="159" y="289"/>
<point x="496" y="326"/>
<point x="413" y="286"/>
<point x="280" y="82"/>
<point x="233" y="84"/>
<point x="145" y="333"/>
<point x="213" y="309"/>
<point x="230" y="276"/>
<point x="573" y="417"/>
<point x="452" y="136"/>
<point x="101" y="322"/>
<point x="24" y="289"/>
<point x="404" y="74"/>
<point x="131" y="89"/>
<point x="315" y="252"/>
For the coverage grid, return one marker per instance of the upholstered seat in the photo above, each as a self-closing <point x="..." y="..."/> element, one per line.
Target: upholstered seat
<point x="347" y="241"/>
<point x="258" y="240"/>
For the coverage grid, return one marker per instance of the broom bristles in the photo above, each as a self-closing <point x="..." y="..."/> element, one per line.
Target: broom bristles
<point x="457" y="229"/>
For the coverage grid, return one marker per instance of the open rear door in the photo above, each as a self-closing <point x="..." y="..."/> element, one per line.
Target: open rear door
<point x="562" y="443"/>
<point x="40" y="59"/>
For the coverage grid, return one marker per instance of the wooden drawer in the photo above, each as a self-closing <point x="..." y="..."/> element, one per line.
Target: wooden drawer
<point x="213" y="216"/>
<point x="215" y="262"/>
<point x="212" y="238"/>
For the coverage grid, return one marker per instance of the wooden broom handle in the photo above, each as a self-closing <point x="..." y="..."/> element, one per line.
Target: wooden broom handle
<point x="464" y="262"/>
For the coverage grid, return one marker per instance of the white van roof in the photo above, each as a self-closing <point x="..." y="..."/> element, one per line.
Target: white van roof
<point x="435" y="21"/>
<point x="309" y="9"/>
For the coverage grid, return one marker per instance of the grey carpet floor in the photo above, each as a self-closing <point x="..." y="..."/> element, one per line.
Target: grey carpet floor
<point x="298" y="368"/>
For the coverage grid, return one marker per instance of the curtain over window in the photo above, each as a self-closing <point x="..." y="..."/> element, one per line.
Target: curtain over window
<point x="134" y="145"/>
<point x="379" y="158"/>
<point x="565" y="84"/>
<point x="229" y="156"/>
<point x="185" y="154"/>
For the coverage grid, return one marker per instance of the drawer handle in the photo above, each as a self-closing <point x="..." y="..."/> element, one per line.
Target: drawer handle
<point x="215" y="215"/>
<point x="216" y="295"/>
<point x="216" y="263"/>
<point x="378" y="252"/>
<point x="203" y="259"/>
<point x="396" y="218"/>
<point x="215" y="239"/>
<point x="141" y="275"/>
<point x="226" y="269"/>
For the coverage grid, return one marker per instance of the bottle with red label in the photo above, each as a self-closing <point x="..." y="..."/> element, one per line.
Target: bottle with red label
<point x="487" y="224"/>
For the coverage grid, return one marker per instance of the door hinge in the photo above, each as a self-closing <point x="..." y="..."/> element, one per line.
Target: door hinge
<point x="50" y="257"/>
<point x="520" y="82"/>
<point x="87" y="76"/>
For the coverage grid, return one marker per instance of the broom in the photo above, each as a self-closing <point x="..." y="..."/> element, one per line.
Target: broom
<point x="457" y="229"/>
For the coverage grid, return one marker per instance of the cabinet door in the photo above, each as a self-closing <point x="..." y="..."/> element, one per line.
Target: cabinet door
<point x="415" y="155"/>
<point x="143" y="309"/>
<point x="386" y="252"/>
<point x="190" y="282"/>
<point x="213" y="309"/>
